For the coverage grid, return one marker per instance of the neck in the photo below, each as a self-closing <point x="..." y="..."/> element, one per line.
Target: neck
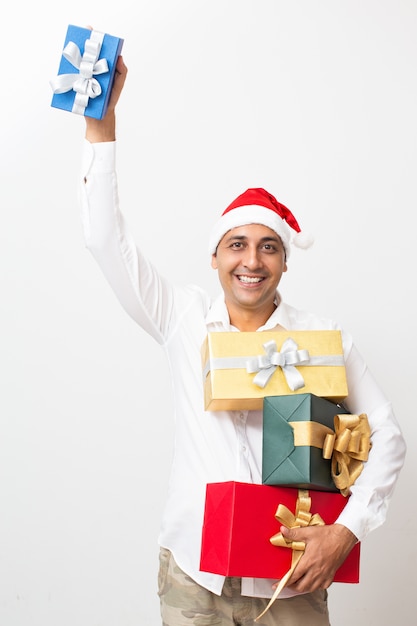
<point x="250" y="321"/>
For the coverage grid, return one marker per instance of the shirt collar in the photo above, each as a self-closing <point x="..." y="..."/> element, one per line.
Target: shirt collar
<point x="218" y="315"/>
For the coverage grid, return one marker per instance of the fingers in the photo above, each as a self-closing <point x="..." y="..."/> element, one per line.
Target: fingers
<point x="325" y="549"/>
<point x="120" y="65"/>
<point x="119" y="81"/>
<point x="121" y="69"/>
<point x="308" y="574"/>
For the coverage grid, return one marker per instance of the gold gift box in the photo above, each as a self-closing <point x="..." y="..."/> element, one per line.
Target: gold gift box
<point x="228" y="385"/>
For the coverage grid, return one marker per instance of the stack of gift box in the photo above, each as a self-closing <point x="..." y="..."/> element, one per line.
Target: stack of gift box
<point x="313" y="449"/>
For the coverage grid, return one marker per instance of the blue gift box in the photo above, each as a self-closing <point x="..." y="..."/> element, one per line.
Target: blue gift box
<point x="86" y="72"/>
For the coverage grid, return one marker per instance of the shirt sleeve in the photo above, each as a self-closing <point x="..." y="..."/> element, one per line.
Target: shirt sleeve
<point x="143" y="293"/>
<point x="370" y="495"/>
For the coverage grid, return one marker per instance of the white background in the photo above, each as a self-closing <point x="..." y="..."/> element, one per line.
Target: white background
<point x="316" y="100"/>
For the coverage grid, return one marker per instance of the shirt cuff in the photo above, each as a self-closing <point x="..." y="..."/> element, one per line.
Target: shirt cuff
<point x="98" y="158"/>
<point x="355" y="519"/>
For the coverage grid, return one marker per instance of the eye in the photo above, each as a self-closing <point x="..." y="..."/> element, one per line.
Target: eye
<point x="236" y="245"/>
<point x="269" y="247"/>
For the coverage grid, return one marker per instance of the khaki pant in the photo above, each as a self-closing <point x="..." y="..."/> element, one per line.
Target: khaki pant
<point x="184" y="602"/>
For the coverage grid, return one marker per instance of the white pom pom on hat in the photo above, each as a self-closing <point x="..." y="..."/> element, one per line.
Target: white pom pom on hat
<point x="258" y="206"/>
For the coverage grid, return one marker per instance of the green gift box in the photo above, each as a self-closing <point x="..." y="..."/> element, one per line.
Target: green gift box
<point x="295" y="428"/>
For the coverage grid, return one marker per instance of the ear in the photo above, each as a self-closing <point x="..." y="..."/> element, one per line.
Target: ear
<point x="214" y="261"/>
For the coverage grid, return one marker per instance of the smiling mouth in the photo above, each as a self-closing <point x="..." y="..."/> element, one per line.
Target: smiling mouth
<point x="250" y="280"/>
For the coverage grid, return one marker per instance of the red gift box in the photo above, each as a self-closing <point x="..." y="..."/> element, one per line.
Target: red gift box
<point x="239" y="521"/>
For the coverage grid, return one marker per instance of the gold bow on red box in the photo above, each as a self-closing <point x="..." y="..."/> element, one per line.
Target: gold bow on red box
<point x="303" y="517"/>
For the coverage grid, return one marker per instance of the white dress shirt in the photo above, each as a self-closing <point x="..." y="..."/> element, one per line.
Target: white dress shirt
<point x="219" y="446"/>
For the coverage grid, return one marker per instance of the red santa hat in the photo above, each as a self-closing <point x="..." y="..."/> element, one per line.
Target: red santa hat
<point x="257" y="206"/>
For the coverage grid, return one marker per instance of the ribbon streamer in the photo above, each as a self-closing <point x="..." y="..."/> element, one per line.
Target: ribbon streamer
<point x="303" y="517"/>
<point x="88" y="65"/>
<point x="348" y="447"/>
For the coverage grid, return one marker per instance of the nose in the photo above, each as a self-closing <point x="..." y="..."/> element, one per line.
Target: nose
<point x="251" y="258"/>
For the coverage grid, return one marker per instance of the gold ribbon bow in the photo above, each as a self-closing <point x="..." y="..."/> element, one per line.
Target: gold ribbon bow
<point x="348" y="447"/>
<point x="303" y="517"/>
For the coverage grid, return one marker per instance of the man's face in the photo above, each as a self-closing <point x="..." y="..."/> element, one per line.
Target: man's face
<point x="250" y="261"/>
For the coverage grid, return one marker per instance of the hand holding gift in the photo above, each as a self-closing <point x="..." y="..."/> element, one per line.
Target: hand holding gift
<point x="326" y="548"/>
<point x="105" y="129"/>
<point x="318" y="550"/>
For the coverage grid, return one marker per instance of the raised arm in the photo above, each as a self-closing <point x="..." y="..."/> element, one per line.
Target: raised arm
<point x="142" y="292"/>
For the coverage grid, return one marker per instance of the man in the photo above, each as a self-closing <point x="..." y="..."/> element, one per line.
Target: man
<point x="250" y="245"/>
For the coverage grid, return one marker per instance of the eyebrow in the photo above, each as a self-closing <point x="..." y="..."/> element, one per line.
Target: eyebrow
<point x="261" y="240"/>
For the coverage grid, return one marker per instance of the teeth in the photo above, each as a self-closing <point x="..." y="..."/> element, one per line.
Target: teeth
<point x="248" y="279"/>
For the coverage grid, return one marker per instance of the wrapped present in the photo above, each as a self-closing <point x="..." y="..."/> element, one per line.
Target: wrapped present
<point x="86" y="72"/>
<point x="242" y="522"/>
<point x="312" y="443"/>
<point x="240" y="369"/>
